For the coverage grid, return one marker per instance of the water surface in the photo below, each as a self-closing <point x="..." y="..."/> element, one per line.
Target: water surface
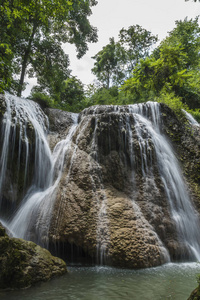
<point x="170" y="281"/>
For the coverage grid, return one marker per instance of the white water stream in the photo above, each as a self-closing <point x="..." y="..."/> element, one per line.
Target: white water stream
<point x="182" y="210"/>
<point x="21" y="115"/>
<point x="190" y="118"/>
<point x="32" y="219"/>
<point x="35" y="214"/>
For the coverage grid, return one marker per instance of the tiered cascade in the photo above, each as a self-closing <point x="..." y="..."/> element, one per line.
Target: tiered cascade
<point x="112" y="186"/>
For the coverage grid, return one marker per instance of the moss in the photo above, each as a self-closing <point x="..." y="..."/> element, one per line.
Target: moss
<point x="195" y="295"/>
<point x="23" y="263"/>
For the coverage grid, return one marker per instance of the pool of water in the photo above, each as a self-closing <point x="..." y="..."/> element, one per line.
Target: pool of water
<point x="170" y="281"/>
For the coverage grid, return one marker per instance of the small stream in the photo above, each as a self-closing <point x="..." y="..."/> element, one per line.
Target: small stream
<point x="170" y="281"/>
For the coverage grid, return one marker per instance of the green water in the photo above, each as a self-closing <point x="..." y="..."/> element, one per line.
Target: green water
<point x="171" y="281"/>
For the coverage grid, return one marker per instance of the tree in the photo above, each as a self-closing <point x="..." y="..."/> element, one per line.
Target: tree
<point x="187" y="34"/>
<point x="5" y="67"/>
<point x="50" y="65"/>
<point x="137" y="43"/>
<point x="116" y="61"/>
<point x="72" y="94"/>
<point x="172" y="68"/>
<point x="109" y="63"/>
<point x="26" y="23"/>
<point x="152" y="75"/>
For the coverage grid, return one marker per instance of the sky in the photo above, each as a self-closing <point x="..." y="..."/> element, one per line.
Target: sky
<point x="110" y="16"/>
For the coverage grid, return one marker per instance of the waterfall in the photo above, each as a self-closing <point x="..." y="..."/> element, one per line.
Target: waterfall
<point x="102" y="230"/>
<point x="147" y="123"/>
<point x="24" y="131"/>
<point x="182" y="210"/>
<point x="190" y="118"/>
<point x="20" y="117"/>
<point x="31" y="221"/>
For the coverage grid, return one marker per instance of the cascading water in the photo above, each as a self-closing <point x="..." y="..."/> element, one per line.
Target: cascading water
<point x="21" y="121"/>
<point x="102" y="231"/>
<point x="24" y="127"/>
<point x="182" y="210"/>
<point x="32" y="219"/>
<point x="147" y="122"/>
<point x="190" y="118"/>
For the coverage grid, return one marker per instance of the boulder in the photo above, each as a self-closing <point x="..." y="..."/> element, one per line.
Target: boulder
<point x="23" y="263"/>
<point x="195" y="295"/>
<point x="105" y="205"/>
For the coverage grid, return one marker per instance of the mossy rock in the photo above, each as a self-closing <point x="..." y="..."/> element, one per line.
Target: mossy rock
<point x="23" y="263"/>
<point x="195" y="295"/>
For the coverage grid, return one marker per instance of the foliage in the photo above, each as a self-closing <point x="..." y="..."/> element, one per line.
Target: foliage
<point x="26" y="24"/>
<point x="108" y="66"/>
<point x="136" y="42"/>
<point x="5" y="67"/>
<point x="105" y="96"/>
<point x="187" y="34"/>
<point x="72" y="95"/>
<point x="116" y="60"/>
<point x="32" y="35"/>
<point x="193" y="0"/>
<point x="195" y="113"/>
<point x="168" y="71"/>
<point x="173" y="102"/>
<point x="98" y="95"/>
<point x="42" y="99"/>
<point x="50" y="67"/>
<point x="170" y="68"/>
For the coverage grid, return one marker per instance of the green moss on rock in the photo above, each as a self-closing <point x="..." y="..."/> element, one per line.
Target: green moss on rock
<point x="195" y="295"/>
<point x="23" y="263"/>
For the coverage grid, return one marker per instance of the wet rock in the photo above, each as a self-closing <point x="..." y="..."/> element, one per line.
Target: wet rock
<point x="195" y="295"/>
<point x="23" y="263"/>
<point x="95" y="200"/>
<point x="105" y="204"/>
<point x="185" y="138"/>
<point x="59" y="124"/>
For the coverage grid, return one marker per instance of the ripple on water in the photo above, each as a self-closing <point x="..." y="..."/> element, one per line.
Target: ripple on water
<point x="170" y="281"/>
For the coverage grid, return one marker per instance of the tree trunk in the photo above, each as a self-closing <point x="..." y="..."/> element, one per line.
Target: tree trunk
<point x="25" y="61"/>
<point x="108" y="80"/>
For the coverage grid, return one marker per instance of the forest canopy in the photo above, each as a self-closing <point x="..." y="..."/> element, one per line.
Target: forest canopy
<point x="31" y="37"/>
<point x="167" y="72"/>
<point x="133" y="68"/>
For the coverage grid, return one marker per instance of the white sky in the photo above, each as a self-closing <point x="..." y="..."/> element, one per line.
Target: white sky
<point x="109" y="16"/>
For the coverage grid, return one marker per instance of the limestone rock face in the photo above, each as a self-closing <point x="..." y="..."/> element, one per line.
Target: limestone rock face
<point x="105" y="205"/>
<point x="23" y="264"/>
<point x="59" y="124"/>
